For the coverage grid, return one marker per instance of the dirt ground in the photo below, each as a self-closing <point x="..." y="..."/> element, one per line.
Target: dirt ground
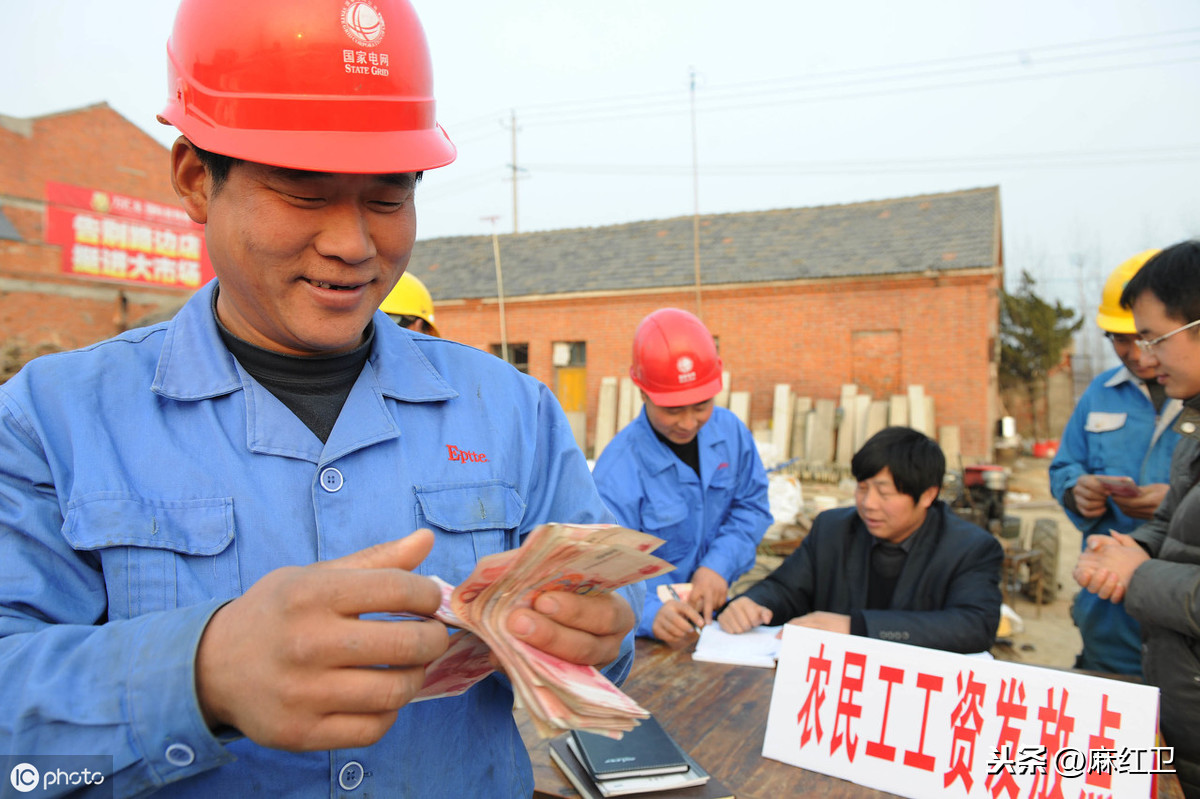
<point x="1040" y="635"/>
<point x="1048" y="639"/>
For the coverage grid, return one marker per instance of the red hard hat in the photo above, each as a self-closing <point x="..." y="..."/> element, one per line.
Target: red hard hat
<point x="675" y="359"/>
<point x="319" y="85"/>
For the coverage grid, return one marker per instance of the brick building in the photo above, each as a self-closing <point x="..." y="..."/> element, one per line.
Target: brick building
<point x="92" y="238"/>
<point x="882" y="294"/>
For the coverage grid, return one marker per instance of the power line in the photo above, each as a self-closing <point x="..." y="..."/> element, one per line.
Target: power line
<point x="677" y="108"/>
<point x="472" y="180"/>
<point x="1057" y="160"/>
<point x="1031" y="58"/>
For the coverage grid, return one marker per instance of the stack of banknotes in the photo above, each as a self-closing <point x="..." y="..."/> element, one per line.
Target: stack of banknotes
<point x="582" y="559"/>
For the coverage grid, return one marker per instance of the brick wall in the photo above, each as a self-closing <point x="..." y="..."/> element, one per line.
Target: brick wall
<point x="93" y="147"/>
<point x="884" y="333"/>
<point x="938" y="332"/>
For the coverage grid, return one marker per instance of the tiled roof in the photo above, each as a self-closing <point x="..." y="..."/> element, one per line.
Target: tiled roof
<point x="938" y="232"/>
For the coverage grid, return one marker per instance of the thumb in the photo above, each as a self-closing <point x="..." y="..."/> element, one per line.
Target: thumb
<point x="1123" y="539"/>
<point x="402" y="553"/>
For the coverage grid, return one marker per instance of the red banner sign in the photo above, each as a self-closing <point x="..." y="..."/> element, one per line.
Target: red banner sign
<point x="114" y="237"/>
<point x="937" y="725"/>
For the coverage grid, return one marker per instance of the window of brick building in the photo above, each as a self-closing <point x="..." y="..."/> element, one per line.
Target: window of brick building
<point x="518" y="355"/>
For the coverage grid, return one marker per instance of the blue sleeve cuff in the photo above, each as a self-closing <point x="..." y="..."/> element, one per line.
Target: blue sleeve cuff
<point x="650" y="610"/>
<point x="165" y="718"/>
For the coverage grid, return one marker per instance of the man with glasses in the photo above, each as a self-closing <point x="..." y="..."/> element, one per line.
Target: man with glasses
<point x="1120" y="427"/>
<point x="1156" y="569"/>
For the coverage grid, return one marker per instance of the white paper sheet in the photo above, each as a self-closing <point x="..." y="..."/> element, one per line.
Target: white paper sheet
<point x="756" y="647"/>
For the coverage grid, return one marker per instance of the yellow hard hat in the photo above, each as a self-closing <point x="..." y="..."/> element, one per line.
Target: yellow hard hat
<point x="1112" y="317"/>
<point x="409" y="297"/>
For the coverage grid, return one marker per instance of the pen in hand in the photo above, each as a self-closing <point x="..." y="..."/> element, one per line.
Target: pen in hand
<point x="675" y="595"/>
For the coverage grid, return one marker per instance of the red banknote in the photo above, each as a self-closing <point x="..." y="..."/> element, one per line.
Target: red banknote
<point x="582" y="559"/>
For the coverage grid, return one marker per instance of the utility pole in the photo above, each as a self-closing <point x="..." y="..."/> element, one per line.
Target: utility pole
<point x="695" y="198"/>
<point x="513" y="165"/>
<point x="499" y="286"/>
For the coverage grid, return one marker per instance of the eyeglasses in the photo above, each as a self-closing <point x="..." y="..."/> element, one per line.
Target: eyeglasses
<point x="1147" y="347"/>
<point x="1123" y="339"/>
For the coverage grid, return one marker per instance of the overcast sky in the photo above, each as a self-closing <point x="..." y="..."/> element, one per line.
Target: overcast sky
<point x="1085" y="112"/>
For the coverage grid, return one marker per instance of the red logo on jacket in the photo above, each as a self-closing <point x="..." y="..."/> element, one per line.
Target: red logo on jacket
<point x="465" y="456"/>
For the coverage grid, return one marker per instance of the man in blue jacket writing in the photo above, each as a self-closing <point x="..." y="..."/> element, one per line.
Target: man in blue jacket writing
<point x="687" y="472"/>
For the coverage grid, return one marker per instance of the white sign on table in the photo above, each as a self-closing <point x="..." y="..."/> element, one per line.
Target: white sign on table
<point x="923" y="723"/>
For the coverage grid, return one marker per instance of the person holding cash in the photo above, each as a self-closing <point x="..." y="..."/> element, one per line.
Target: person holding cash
<point x="1120" y="432"/>
<point x="208" y="569"/>
<point x="687" y="472"/>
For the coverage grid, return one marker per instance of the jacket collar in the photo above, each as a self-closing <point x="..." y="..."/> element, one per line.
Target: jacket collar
<point x="1188" y="423"/>
<point x="1122" y="375"/>
<point x="194" y="363"/>
<point x="658" y="457"/>
<point x="1165" y="416"/>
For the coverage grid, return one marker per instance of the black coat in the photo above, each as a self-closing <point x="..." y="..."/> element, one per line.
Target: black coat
<point x="947" y="595"/>
<point x="1164" y="595"/>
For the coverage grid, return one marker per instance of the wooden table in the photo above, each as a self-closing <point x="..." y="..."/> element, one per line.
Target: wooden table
<point x="718" y="714"/>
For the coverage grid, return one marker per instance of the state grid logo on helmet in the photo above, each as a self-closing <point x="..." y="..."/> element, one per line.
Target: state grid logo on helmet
<point x="362" y="22"/>
<point x="687" y="370"/>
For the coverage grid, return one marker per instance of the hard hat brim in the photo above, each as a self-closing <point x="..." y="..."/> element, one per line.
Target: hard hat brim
<point x="1116" y="324"/>
<point x="688" y="396"/>
<point x="351" y="152"/>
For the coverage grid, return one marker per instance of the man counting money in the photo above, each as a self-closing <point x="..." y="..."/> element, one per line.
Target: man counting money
<point x="197" y="519"/>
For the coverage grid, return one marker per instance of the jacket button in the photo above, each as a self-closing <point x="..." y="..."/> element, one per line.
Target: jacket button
<point x="180" y="755"/>
<point x="331" y="480"/>
<point x="351" y="775"/>
<point x="1188" y="427"/>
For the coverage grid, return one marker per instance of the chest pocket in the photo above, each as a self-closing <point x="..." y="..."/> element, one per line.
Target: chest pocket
<point x="1109" y="447"/>
<point x="723" y="479"/>
<point x="471" y="521"/>
<point x="1104" y="422"/>
<point x="157" y="555"/>
<point x="665" y="515"/>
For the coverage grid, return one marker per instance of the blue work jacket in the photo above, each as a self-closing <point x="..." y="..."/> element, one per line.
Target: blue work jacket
<point x="1114" y="429"/>
<point x="714" y="520"/>
<point x="148" y="479"/>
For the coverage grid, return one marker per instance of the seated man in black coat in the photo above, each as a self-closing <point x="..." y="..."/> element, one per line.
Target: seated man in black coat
<point x="899" y="565"/>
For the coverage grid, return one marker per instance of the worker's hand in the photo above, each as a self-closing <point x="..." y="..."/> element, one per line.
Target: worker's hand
<point x="822" y="620"/>
<point x="743" y="614"/>
<point x="1085" y="567"/>
<point x="1145" y="503"/>
<point x="1107" y="565"/>
<point x="292" y="666"/>
<point x="580" y="629"/>
<point x="709" y="592"/>
<point x="1090" y="496"/>
<point x="676" y="623"/>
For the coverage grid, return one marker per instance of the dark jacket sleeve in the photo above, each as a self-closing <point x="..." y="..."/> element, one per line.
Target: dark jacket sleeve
<point x="788" y="591"/>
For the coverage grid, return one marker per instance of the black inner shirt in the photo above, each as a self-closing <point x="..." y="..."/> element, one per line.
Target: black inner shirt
<point x="689" y="453"/>
<point x="312" y="387"/>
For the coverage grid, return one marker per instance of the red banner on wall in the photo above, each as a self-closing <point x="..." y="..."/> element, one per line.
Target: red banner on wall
<point x="114" y="237"/>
